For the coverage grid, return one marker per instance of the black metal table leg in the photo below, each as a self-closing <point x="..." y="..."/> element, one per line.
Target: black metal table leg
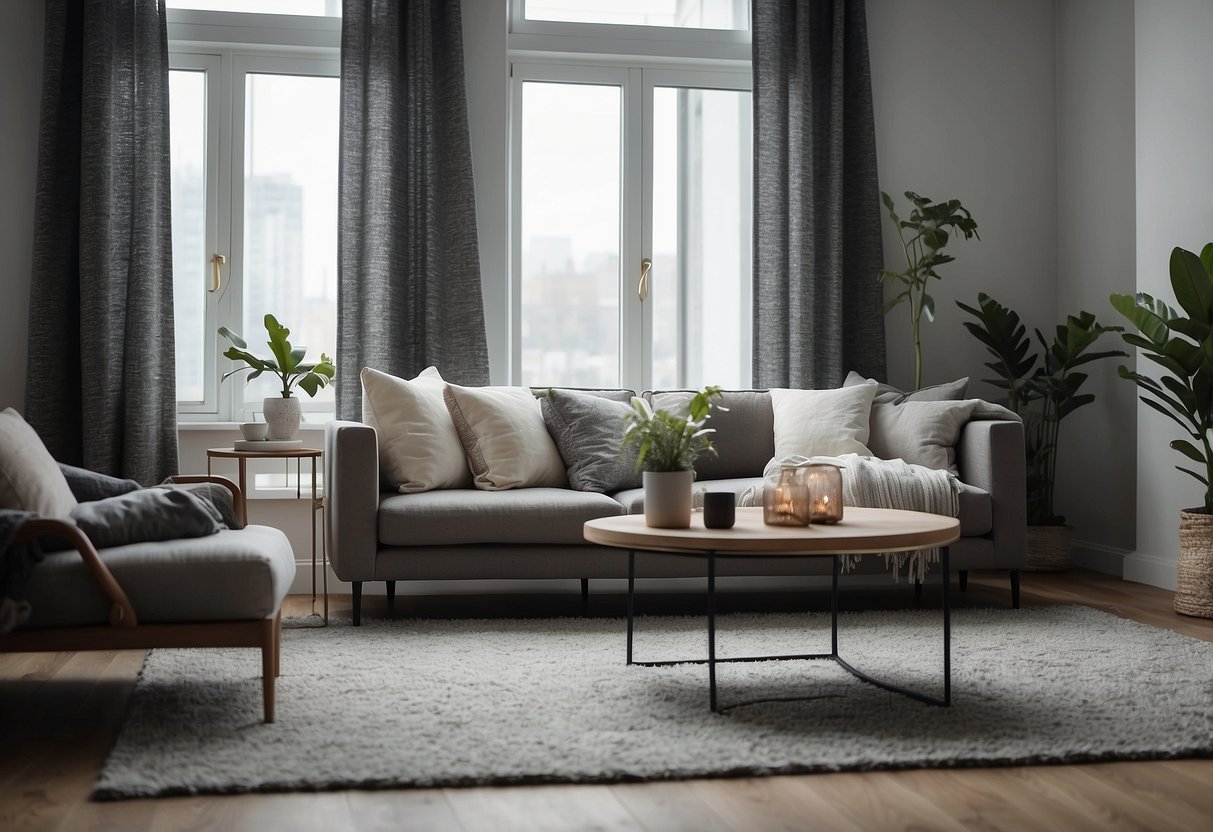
<point x="947" y="627"/>
<point x="712" y="627"/>
<point x="834" y="611"/>
<point x="631" y="598"/>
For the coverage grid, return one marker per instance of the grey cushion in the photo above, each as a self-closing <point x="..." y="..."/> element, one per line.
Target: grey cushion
<point x="88" y="485"/>
<point x="519" y="515"/>
<point x="588" y="432"/>
<point x="888" y="394"/>
<point x="920" y="432"/>
<point x="745" y="433"/>
<point x="146" y="515"/>
<point x="615" y="394"/>
<point x="232" y="575"/>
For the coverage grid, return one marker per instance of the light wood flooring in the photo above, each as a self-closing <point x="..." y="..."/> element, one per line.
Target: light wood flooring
<point x="60" y="712"/>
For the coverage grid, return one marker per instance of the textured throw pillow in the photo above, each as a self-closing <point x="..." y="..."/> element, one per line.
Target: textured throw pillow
<point x="30" y="479"/>
<point x="146" y="515"/>
<point x="88" y="485"/>
<point x="921" y="433"/>
<point x="888" y="394"/>
<point x="588" y="431"/>
<point x="822" y="422"/>
<point x="418" y="447"/>
<point x="503" y="434"/>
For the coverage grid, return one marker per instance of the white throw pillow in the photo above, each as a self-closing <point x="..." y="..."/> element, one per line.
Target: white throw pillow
<point x="921" y="433"/>
<point x="418" y="447"/>
<point x="505" y="439"/>
<point x="822" y="422"/>
<point x="30" y="479"/>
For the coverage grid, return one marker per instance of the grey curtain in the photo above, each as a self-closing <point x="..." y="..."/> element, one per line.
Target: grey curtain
<point x="818" y="307"/>
<point x="101" y="389"/>
<point x="408" y="264"/>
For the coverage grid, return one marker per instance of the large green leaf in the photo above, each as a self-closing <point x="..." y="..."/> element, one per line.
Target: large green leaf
<point x="1188" y="449"/>
<point x="1147" y="321"/>
<point x="1192" y="285"/>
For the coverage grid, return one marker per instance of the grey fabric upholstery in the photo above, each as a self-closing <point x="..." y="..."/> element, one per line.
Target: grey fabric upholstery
<point x="888" y="394"/>
<point x="88" y="485"/>
<point x="229" y="576"/>
<point x="632" y="499"/>
<point x="745" y="432"/>
<point x="467" y="515"/>
<point x="990" y="456"/>
<point x="588" y="432"/>
<point x="351" y="476"/>
<point x="149" y="514"/>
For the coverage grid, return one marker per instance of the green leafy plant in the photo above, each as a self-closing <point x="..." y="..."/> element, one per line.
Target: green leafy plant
<point x="1041" y="387"/>
<point x="1181" y="342"/>
<point x="923" y="237"/>
<point x="286" y="363"/>
<point x="669" y="441"/>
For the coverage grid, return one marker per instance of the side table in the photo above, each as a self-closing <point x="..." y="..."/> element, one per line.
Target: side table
<point x="318" y="501"/>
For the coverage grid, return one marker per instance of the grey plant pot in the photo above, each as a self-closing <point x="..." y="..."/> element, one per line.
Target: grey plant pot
<point x="282" y="416"/>
<point x="667" y="499"/>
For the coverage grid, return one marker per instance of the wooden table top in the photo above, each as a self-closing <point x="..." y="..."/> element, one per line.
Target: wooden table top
<point x="862" y="531"/>
<point x="289" y="453"/>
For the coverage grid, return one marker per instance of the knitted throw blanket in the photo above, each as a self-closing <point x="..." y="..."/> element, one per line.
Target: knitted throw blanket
<point x="882" y="483"/>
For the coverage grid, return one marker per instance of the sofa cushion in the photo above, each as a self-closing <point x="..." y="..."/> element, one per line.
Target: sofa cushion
<point x="228" y="576"/>
<point x="588" y="432"/>
<point x="920" y="432"/>
<point x="822" y="422"/>
<point x="744" y="438"/>
<point x="418" y="447"/>
<point x="504" y="438"/>
<point x="30" y="479"/>
<point x="527" y="515"/>
<point x="888" y="394"/>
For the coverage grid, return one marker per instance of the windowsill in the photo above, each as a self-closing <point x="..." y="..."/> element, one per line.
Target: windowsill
<point x="235" y="426"/>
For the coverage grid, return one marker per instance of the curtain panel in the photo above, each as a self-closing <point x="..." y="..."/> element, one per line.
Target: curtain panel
<point x="409" y="292"/>
<point x="101" y="389"/>
<point x="818" y="303"/>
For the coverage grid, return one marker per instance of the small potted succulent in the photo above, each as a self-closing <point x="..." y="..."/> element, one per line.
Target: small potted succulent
<point x="667" y="446"/>
<point x="282" y="413"/>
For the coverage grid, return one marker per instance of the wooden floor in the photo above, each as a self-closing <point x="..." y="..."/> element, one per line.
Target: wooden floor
<point x="60" y="712"/>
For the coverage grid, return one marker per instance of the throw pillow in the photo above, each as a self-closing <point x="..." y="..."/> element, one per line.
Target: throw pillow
<point x="418" y="447"/>
<point x="822" y="422"/>
<point x="146" y="515"/>
<point x="588" y="431"/>
<point x="88" y="485"/>
<point x="921" y="433"/>
<point x="30" y="479"/>
<point x="888" y="394"/>
<point x="504" y="437"/>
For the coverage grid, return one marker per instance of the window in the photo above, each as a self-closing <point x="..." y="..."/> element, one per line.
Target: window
<point x="631" y="210"/>
<point x="690" y="14"/>
<point x="254" y="189"/>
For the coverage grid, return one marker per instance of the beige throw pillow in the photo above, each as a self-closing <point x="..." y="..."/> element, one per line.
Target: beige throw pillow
<point x="504" y="437"/>
<point x="30" y="479"/>
<point x="822" y="422"/>
<point x="921" y="433"/>
<point x="418" y="447"/>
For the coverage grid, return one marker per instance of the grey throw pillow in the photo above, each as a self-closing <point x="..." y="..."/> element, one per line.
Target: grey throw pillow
<point x="888" y="394"/>
<point x="921" y="433"/>
<point x="588" y="432"/>
<point x="88" y="485"/>
<point x="146" y="515"/>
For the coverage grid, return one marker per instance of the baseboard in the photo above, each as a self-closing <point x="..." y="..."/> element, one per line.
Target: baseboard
<point x="1150" y="569"/>
<point x="1099" y="557"/>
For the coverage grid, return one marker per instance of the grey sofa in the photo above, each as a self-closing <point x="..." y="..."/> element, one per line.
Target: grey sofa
<point x="461" y="534"/>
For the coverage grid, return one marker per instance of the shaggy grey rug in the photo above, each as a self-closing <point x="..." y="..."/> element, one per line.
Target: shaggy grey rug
<point x="434" y="703"/>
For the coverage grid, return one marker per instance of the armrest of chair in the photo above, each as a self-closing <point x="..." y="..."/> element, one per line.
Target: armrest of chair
<point x="990" y="455"/>
<point x="351" y="485"/>
<point x="121" y="613"/>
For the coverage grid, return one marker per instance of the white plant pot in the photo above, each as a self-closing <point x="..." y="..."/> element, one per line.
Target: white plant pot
<point x="667" y="499"/>
<point x="282" y="416"/>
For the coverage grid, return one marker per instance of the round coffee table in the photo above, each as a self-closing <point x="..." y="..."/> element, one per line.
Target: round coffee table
<point x="863" y="531"/>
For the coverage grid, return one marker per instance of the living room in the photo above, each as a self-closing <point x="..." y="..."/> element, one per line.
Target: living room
<point x="1072" y="131"/>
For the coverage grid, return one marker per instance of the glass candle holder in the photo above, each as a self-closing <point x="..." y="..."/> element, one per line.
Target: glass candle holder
<point x="785" y="498"/>
<point x="824" y="484"/>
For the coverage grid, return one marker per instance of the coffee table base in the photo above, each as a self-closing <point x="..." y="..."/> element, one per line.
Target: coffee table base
<point x="711" y="661"/>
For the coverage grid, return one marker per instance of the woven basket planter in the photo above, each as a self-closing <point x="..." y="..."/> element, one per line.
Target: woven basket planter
<point x="1194" y="572"/>
<point x="1048" y="548"/>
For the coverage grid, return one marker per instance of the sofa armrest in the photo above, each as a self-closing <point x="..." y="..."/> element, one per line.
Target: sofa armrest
<point x="991" y="457"/>
<point x="351" y="482"/>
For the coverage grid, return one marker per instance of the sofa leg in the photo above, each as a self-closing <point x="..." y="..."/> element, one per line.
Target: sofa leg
<point x="278" y="644"/>
<point x="963" y="575"/>
<point x="269" y="641"/>
<point x="1015" y="588"/>
<point x="391" y="594"/>
<point x="585" y="595"/>
<point x="357" y="585"/>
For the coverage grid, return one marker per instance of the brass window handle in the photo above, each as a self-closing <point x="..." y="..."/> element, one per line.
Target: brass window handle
<point x="642" y="289"/>
<point x="217" y="262"/>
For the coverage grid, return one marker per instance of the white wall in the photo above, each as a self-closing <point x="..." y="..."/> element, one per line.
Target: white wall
<point x="1095" y="257"/>
<point x="1174" y="208"/>
<point x="20" y="92"/>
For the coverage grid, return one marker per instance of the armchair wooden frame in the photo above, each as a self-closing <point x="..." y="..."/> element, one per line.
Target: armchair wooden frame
<point x="124" y="632"/>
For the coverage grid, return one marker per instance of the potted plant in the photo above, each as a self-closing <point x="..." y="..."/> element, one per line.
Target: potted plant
<point x="667" y="446"/>
<point x="1181" y="343"/>
<point x="282" y="413"/>
<point x="1043" y="388"/>
<point x="923" y="237"/>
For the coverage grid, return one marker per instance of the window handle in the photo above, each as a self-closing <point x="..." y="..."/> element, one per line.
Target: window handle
<point x="217" y="261"/>
<point x="642" y="290"/>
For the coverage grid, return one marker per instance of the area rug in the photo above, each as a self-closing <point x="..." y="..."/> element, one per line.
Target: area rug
<point x="412" y="703"/>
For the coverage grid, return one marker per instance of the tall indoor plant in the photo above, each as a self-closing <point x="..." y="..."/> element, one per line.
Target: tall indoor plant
<point x="1180" y="341"/>
<point x="282" y="413"/>
<point x="667" y="445"/>
<point x="1043" y="388"/>
<point x="923" y="237"/>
